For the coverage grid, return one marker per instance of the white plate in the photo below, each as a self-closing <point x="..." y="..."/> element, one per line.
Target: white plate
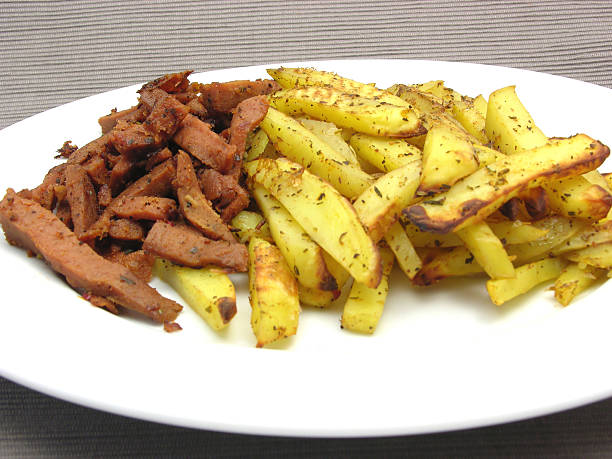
<point x="441" y="359"/>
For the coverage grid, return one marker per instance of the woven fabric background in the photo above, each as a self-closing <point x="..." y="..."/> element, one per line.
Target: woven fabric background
<point x="57" y="51"/>
<point x="53" y="52"/>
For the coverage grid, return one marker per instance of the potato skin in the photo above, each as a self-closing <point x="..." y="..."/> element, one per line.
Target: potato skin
<point x="273" y="293"/>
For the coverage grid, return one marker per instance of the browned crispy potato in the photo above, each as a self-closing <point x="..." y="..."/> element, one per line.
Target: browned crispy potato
<point x="484" y="191"/>
<point x="273" y="294"/>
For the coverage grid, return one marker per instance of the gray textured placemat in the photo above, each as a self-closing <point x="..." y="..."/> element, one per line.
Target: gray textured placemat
<point x="56" y="51"/>
<point x="52" y="52"/>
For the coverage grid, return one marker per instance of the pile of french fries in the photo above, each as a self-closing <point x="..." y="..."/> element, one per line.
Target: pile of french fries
<point x="349" y="178"/>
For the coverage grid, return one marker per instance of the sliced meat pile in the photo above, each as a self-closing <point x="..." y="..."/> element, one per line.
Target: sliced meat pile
<point x="164" y="179"/>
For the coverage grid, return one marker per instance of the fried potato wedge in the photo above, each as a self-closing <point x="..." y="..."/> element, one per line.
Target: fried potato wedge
<point x="481" y="193"/>
<point x="575" y="279"/>
<point x="488" y="250"/>
<point x="332" y="136"/>
<point x="297" y="143"/>
<point x="509" y="125"/>
<point x="248" y="224"/>
<point x="327" y="217"/>
<point x="559" y="231"/>
<point x="457" y="261"/>
<point x="405" y="254"/>
<point x="364" y="305"/>
<point x="317" y="298"/>
<point x="598" y="256"/>
<point x="361" y="114"/>
<point x="577" y="197"/>
<point x="256" y="145"/>
<point x="208" y="291"/>
<point x="447" y="158"/>
<point x="383" y="153"/>
<point x="289" y="78"/>
<point x="527" y="277"/>
<point x="588" y="236"/>
<point x="464" y="109"/>
<point x="379" y="206"/>
<point x="509" y="232"/>
<point x="273" y="291"/>
<point x="340" y="274"/>
<point x="303" y="255"/>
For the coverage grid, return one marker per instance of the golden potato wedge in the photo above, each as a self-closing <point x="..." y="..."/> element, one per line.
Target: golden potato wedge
<point x="481" y="193"/>
<point x="559" y="231"/>
<point x="463" y="108"/>
<point x="289" y="78"/>
<point x="383" y="153"/>
<point x="577" y="197"/>
<point x="447" y="158"/>
<point x="486" y="155"/>
<point x="588" y="236"/>
<point x="303" y="255"/>
<point x="420" y="238"/>
<point x="527" y="277"/>
<point x="256" y="145"/>
<point x="509" y="232"/>
<point x="488" y="250"/>
<point x="405" y="254"/>
<point x="340" y="274"/>
<point x="509" y="125"/>
<point x="365" y="115"/>
<point x="208" y="291"/>
<point x="517" y="232"/>
<point x="480" y="105"/>
<point x="317" y="298"/>
<point x="273" y="293"/>
<point x="598" y="256"/>
<point x="457" y="261"/>
<point x="248" y="224"/>
<point x="575" y="279"/>
<point x="298" y="144"/>
<point x="425" y="103"/>
<point x="327" y="217"/>
<point x="332" y="136"/>
<point x="517" y="131"/>
<point x="364" y="305"/>
<point x="379" y="206"/>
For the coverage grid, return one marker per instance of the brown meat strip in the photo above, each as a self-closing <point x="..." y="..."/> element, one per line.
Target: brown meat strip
<point x="158" y="157"/>
<point x="223" y="97"/>
<point x="166" y="116"/>
<point x="196" y="137"/>
<point x="62" y="212"/>
<point x="97" y="147"/>
<point x="144" y="208"/>
<point x="247" y="117"/>
<point x="82" y="198"/>
<point x="171" y="83"/>
<point x="158" y="182"/>
<point x="139" y="262"/>
<point x="133" y="140"/>
<point x="96" y="169"/>
<point x="120" y="174"/>
<point x="124" y="229"/>
<point x="194" y="206"/>
<point x="137" y="113"/>
<point x="44" y="194"/>
<point x="104" y="196"/>
<point x="186" y="246"/>
<point x="28" y="225"/>
<point x="224" y="191"/>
